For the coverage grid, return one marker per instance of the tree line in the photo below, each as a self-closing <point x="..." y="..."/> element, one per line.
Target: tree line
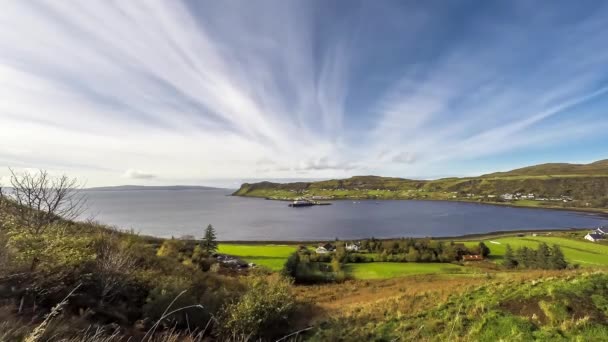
<point x="544" y="257"/>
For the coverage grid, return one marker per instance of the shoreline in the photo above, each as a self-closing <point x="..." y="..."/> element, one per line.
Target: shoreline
<point x="600" y="211"/>
<point x="474" y="236"/>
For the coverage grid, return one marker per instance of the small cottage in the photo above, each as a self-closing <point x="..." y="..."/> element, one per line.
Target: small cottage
<point x="594" y="237"/>
<point x="353" y="247"/>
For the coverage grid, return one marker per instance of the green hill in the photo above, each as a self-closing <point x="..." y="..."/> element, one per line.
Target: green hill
<point x="597" y="168"/>
<point x="553" y="185"/>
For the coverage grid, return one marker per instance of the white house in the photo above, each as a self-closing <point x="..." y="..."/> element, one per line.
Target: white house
<point x="321" y="250"/>
<point x="351" y="247"/>
<point x="602" y="230"/>
<point x="593" y="237"/>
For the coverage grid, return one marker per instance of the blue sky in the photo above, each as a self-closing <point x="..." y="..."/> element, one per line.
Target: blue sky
<point x="167" y="92"/>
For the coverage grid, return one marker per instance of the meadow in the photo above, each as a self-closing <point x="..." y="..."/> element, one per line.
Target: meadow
<point x="385" y="270"/>
<point x="582" y="252"/>
<point x="270" y="256"/>
<point x="576" y="251"/>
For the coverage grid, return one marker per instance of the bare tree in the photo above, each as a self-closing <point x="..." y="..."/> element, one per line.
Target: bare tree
<point x="43" y="200"/>
<point x="113" y="263"/>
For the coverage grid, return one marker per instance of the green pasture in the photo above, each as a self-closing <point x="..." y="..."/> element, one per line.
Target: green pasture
<point x="582" y="252"/>
<point x="270" y="256"/>
<point x="385" y="270"/>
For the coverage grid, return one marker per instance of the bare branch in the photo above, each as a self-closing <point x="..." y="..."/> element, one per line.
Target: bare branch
<point x="43" y="200"/>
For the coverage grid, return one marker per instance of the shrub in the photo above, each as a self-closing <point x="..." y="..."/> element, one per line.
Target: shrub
<point x="265" y="307"/>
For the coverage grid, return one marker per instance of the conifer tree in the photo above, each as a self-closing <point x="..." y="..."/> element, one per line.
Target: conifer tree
<point x="484" y="250"/>
<point x="558" y="261"/>
<point x="209" y="243"/>
<point x="543" y="254"/>
<point x="509" y="258"/>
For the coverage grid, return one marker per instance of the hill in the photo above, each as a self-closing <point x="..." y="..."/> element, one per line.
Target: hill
<point x="551" y="185"/>
<point x="597" y="168"/>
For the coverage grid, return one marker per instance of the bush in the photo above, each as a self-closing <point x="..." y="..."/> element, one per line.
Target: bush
<point x="265" y="307"/>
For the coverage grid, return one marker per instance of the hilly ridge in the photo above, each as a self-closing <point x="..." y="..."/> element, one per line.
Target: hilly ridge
<point x="553" y="185"/>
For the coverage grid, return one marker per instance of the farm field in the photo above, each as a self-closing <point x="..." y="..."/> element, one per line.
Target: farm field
<point x="273" y="257"/>
<point x="270" y="256"/>
<point x="586" y="254"/>
<point x="386" y="270"/>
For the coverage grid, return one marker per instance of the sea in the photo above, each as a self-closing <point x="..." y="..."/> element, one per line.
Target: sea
<point x="179" y="213"/>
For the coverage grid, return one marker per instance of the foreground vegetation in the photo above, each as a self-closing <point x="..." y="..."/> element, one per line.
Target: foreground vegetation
<point x="562" y="185"/>
<point x="562" y="307"/>
<point x="62" y="280"/>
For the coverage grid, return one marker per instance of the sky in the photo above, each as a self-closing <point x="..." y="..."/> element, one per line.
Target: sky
<point x="215" y="92"/>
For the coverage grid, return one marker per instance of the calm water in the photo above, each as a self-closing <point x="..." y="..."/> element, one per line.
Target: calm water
<point x="176" y="213"/>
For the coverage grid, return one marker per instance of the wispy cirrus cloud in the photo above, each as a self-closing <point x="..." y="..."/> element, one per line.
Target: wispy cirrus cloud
<point x="197" y="90"/>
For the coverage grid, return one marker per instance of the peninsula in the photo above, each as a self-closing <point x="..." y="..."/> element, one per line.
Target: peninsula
<point x="554" y="185"/>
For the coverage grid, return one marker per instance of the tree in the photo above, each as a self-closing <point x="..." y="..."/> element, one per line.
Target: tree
<point x="509" y="258"/>
<point x="290" y="268"/>
<point x="484" y="250"/>
<point x="41" y="202"/>
<point x="543" y="255"/>
<point x="558" y="261"/>
<point x="209" y="243"/>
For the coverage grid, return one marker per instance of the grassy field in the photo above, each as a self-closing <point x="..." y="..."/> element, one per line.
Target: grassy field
<point x="584" y="253"/>
<point x="270" y="256"/>
<point x="386" y="270"/>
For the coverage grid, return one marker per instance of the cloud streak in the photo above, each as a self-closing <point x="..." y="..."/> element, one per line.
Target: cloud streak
<point x="197" y="90"/>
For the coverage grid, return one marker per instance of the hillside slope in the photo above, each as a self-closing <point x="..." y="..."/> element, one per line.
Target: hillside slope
<point x="553" y="185"/>
<point x="597" y="168"/>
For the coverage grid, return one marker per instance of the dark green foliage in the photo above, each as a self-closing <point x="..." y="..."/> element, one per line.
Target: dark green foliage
<point x="544" y="257"/>
<point x="557" y="260"/>
<point x="419" y="250"/>
<point x="209" y="243"/>
<point x="291" y="265"/>
<point x="509" y="258"/>
<point x="484" y="250"/>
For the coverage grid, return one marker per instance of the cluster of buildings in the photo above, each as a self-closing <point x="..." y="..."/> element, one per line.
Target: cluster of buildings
<point x="531" y="196"/>
<point x="597" y="234"/>
<point x="325" y="248"/>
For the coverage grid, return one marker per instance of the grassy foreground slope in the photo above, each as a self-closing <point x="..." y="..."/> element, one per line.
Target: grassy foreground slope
<point x="384" y="270"/>
<point x="564" y="307"/>
<point x="586" y="184"/>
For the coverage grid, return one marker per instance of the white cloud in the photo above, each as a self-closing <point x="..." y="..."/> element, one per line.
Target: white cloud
<point x="137" y="174"/>
<point x="91" y="88"/>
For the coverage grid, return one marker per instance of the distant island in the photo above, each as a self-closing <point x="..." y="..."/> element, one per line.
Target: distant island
<point x="145" y="187"/>
<point x="554" y="185"/>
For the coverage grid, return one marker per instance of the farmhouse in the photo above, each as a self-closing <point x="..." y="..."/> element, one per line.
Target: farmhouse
<point x="593" y="237"/>
<point x="473" y="257"/>
<point x="352" y="247"/>
<point x="601" y="230"/>
<point x="321" y="250"/>
<point x="325" y="248"/>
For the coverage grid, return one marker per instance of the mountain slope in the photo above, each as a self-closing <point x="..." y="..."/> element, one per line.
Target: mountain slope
<point x="597" y="168"/>
<point x="584" y="186"/>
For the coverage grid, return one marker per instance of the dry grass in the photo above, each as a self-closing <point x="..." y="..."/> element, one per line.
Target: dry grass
<point x="410" y="294"/>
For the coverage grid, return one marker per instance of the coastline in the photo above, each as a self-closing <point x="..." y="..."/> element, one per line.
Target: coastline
<point x="475" y="236"/>
<point x="600" y="211"/>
